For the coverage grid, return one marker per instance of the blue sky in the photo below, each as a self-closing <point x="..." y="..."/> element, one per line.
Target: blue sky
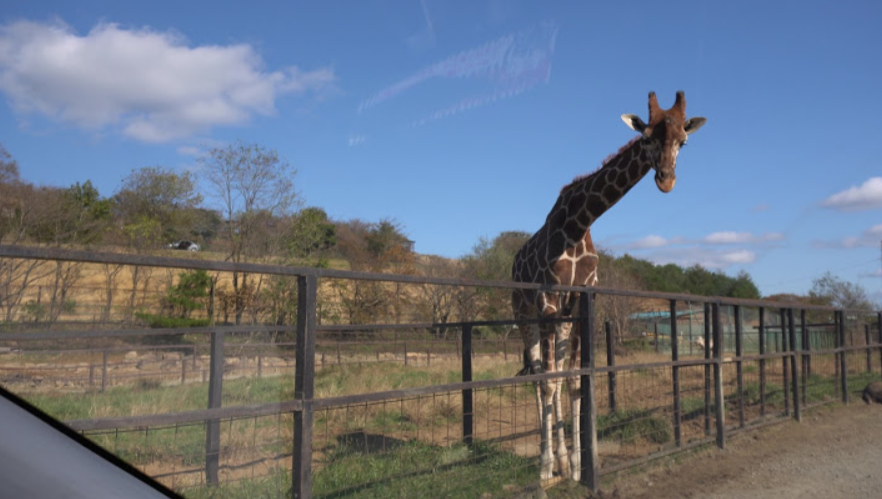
<point x="462" y="119"/>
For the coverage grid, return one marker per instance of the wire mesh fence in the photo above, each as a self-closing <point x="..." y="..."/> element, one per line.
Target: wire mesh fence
<point x="291" y="390"/>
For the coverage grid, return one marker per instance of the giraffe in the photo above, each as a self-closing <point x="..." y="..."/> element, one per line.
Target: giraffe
<point x="561" y="252"/>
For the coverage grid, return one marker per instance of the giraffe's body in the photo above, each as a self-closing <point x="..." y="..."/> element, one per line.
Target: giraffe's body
<point x="562" y="253"/>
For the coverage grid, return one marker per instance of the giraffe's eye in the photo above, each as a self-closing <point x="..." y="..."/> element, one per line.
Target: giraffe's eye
<point x="682" y="144"/>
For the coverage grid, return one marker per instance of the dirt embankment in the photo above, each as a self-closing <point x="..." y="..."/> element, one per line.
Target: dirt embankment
<point x="834" y="453"/>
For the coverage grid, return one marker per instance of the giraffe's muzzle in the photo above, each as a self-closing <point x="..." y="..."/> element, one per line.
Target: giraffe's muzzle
<point x="665" y="180"/>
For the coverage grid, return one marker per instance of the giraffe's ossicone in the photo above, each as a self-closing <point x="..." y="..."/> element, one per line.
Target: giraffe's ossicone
<point x="561" y="252"/>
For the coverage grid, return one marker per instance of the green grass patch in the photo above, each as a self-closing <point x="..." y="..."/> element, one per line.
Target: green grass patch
<point x="631" y="425"/>
<point x="149" y="397"/>
<point x="272" y="486"/>
<point x="404" y="469"/>
<point x="416" y="469"/>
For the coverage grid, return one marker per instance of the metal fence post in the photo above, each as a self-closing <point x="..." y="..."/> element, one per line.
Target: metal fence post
<point x="843" y="358"/>
<point x="611" y="361"/>
<point x="304" y="386"/>
<point x="590" y="475"/>
<point x="869" y="350"/>
<point x="785" y="368"/>
<point x="806" y="356"/>
<point x="762" y="362"/>
<point x="739" y="367"/>
<point x="794" y="369"/>
<point x="879" y="325"/>
<point x="675" y="374"/>
<point x="103" y="371"/>
<point x="215" y="392"/>
<point x="719" y="403"/>
<point x="707" y="367"/>
<point x="468" y="410"/>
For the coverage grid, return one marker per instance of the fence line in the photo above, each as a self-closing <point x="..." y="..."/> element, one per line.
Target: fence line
<point x="784" y="388"/>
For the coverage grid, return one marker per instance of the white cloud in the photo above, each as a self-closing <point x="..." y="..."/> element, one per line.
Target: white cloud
<point x="730" y="237"/>
<point x="760" y="208"/>
<point x="709" y="258"/>
<point x="152" y="86"/>
<point x="650" y="242"/>
<point x="868" y="238"/>
<point x="718" y="250"/>
<point x="739" y="256"/>
<point x="864" y="197"/>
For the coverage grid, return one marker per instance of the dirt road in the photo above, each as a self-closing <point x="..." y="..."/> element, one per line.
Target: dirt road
<point x="834" y="453"/>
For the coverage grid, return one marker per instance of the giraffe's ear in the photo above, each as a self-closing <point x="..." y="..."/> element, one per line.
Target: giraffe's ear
<point x="634" y="122"/>
<point x="693" y="124"/>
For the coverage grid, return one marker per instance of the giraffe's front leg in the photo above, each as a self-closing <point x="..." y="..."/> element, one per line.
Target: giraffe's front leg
<point x="574" y="385"/>
<point x="562" y="343"/>
<point x="544" y="397"/>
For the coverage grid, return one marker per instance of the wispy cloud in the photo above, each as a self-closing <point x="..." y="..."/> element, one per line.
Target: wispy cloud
<point x="713" y="239"/>
<point x="717" y="250"/>
<point x="148" y="85"/>
<point x="190" y="151"/>
<point x="710" y="258"/>
<point x="425" y="38"/>
<point x="874" y="273"/>
<point x="729" y="237"/>
<point x="760" y="208"/>
<point x="510" y="66"/>
<point x="357" y="140"/>
<point x="866" y="196"/>
<point x="650" y="242"/>
<point x="866" y="239"/>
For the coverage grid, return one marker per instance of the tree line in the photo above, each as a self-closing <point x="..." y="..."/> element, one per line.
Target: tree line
<point x="243" y="206"/>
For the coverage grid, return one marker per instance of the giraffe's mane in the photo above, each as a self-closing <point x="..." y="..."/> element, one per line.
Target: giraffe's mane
<point x="605" y="162"/>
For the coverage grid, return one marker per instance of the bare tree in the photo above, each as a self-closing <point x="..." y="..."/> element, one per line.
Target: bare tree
<point x="613" y="308"/>
<point x="440" y="304"/>
<point x="255" y="190"/>
<point x="111" y="273"/>
<point x="833" y="291"/>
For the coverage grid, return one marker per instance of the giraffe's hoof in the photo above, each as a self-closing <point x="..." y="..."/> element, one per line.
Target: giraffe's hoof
<point x="563" y="466"/>
<point x="575" y="470"/>
<point x="546" y="469"/>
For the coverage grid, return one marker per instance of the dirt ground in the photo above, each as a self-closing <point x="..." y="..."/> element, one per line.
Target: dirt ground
<point x="834" y="453"/>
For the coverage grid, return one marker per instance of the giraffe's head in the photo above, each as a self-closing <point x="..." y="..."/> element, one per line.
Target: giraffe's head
<point x="664" y="136"/>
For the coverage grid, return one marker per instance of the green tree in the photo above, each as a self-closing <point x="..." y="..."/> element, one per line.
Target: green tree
<point x="158" y="196"/>
<point x="744" y="287"/>
<point x="9" y="173"/>
<point x="76" y="215"/>
<point x="311" y="232"/>
<point x="189" y="293"/>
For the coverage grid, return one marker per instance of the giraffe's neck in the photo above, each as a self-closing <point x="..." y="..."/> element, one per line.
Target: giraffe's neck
<point x="587" y="198"/>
